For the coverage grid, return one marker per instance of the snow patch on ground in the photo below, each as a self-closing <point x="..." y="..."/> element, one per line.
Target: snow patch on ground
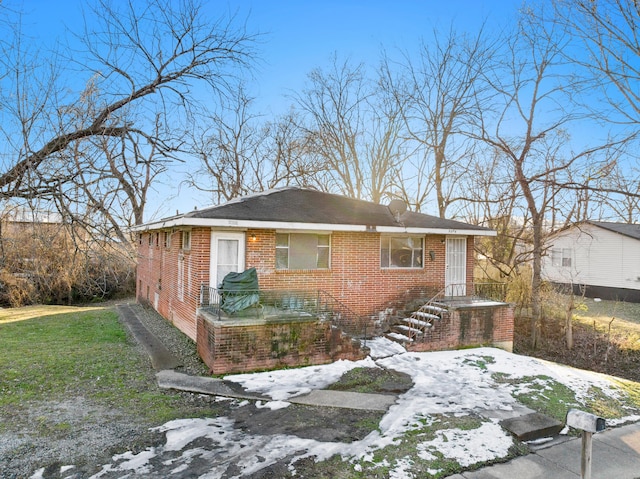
<point x="468" y="447"/>
<point x="454" y="383"/>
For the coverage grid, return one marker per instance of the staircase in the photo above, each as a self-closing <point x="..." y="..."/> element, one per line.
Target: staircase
<point x="413" y="328"/>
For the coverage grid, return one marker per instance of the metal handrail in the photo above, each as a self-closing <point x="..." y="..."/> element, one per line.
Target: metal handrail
<point x="444" y="297"/>
<point x="286" y="303"/>
<point x="342" y="315"/>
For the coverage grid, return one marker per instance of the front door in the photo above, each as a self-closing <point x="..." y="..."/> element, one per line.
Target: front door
<point x="227" y="255"/>
<point x="456" y="267"/>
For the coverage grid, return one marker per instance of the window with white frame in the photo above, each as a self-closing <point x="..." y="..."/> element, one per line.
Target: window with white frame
<point x="180" y="279"/>
<point x="561" y="257"/>
<point x="302" y="251"/>
<point x="186" y="239"/>
<point x="401" y="251"/>
<point x="167" y="239"/>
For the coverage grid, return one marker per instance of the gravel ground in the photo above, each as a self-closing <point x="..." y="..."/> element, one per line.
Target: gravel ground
<point x="179" y="344"/>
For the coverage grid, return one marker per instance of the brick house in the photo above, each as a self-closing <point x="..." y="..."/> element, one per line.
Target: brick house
<point x="363" y="262"/>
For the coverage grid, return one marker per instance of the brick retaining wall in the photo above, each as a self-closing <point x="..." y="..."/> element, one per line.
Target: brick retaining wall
<point x="470" y="326"/>
<point x="235" y="346"/>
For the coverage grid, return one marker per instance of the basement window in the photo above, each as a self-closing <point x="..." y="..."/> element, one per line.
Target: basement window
<point x="401" y="251"/>
<point x="295" y="251"/>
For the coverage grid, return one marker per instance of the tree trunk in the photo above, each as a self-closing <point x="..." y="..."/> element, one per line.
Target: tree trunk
<point x="536" y="281"/>
<point x="568" y="323"/>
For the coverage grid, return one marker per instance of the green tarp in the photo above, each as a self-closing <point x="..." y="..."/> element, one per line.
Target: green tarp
<point x="239" y="291"/>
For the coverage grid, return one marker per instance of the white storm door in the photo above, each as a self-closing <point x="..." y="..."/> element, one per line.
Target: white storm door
<point x="456" y="267"/>
<point x="227" y="255"/>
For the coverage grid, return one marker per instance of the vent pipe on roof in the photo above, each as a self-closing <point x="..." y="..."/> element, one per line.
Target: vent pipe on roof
<point x="397" y="208"/>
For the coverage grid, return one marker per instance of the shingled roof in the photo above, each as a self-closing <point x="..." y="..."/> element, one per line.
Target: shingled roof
<point x="631" y="230"/>
<point x="300" y="208"/>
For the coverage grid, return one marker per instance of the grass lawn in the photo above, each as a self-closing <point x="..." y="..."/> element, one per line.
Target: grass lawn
<point x="606" y="310"/>
<point x="616" y="318"/>
<point x="50" y="353"/>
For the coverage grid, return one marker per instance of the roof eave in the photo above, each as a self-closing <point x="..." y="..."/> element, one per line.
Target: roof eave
<point x="283" y="225"/>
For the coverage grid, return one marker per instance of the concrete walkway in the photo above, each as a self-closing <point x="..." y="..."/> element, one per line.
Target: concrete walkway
<point x="616" y="455"/>
<point x="161" y="357"/>
<point x="616" y="452"/>
<point x="163" y="361"/>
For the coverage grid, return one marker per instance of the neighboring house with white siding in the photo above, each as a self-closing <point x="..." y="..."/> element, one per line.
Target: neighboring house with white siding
<point x="600" y="258"/>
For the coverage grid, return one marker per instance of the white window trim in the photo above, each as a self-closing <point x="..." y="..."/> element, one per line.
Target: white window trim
<point x="559" y="255"/>
<point x="186" y="233"/>
<point x="217" y="235"/>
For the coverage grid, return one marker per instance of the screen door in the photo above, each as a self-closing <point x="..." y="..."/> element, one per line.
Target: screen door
<point x="456" y="272"/>
<point x="227" y="255"/>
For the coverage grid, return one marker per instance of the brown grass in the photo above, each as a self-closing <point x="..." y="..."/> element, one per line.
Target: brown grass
<point x="606" y="338"/>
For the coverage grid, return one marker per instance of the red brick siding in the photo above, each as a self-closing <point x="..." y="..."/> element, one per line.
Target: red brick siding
<point x="480" y="326"/>
<point x="239" y="348"/>
<point x="355" y="276"/>
<point x="158" y="273"/>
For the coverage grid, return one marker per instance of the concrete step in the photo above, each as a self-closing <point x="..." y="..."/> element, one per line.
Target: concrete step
<point x="418" y="322"/>
<point x="433" y="308"/>
<point x="398" y="338"/>
<point x="530" y="427"/>
<point x="407" y="330"/>
<point x="425" y="315"/>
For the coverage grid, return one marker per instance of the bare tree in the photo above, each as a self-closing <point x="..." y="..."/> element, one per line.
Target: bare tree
<point x="442" y="90"/>
<point x="240" y="153"/>
<point x="141" y="64"/>
<point x="618" y="191"/>
<point x="606" y="34"/>
<point x="606" y="60"/>
<point x="230" y="150"/>
<point x="353" y="129"/>
<point x="528" y="128"/>
<point x="493" y="200"/>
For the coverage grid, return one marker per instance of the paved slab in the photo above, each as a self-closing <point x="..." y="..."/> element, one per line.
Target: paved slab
<point x="616" y="455"/>
<point x="516" y="410"/>
<point x="610" y="458"/>
<point x="626" y="438"/>
<point x="197" y="384"/>
<point x="526" y="467"/>
<point x="161" y="357"/>
<point x="345" y="399"/>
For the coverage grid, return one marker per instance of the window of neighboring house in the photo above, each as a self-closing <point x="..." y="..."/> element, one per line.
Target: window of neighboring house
<point x="186" y="239"/>
<point x="166" y="239"/>
<point x="401" y="251"/>
<point x="150" y="239"/>
<point x="302" y="251"/>
<point x="157" y="239"/>
<point x="561" y="257"/>
<point x="140" y="238"/>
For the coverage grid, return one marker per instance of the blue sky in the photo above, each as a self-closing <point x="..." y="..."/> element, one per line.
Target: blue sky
<point x="298" y="36"/>
<point x="302" y="35"/>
